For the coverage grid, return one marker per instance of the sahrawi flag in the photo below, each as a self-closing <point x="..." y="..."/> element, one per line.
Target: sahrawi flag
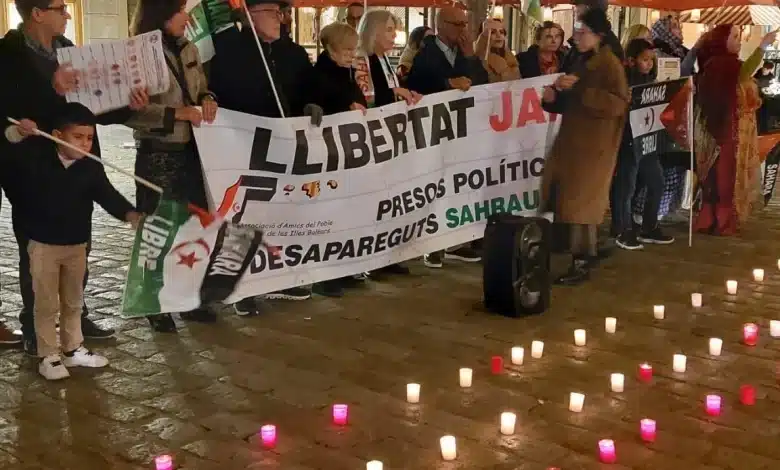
<point x="660" y="117"/>
<point x="178" y="264"/>
<point x="207" y="18"/>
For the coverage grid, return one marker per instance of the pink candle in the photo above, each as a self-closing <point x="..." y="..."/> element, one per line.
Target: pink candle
<point x="645" y="372"/>
<point x="496" y="364"/>
<point x="163" y="462"/>
<point x="268" y="436"/>
<point x="712" y="405"/>
<point x="750" y="334"/>
<point x="607" y="451"/>
<point x="647" y="430"/>
<point x="340" y="413"/>
<point x="747" y="395"/>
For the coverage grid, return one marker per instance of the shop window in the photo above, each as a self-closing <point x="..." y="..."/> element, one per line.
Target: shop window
<point x="11" y="19"/>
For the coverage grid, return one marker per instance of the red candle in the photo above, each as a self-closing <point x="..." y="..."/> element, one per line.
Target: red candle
<point x="645" y="372"/>
<point x="607" y="451"/>
<point x="750" y="334"/>
<point x="747" y="395"/>
<point x="268" y="436"/>
<point x="496" y="364"/>
<point x="647" y="430"/>
<point x="712" y="405"/>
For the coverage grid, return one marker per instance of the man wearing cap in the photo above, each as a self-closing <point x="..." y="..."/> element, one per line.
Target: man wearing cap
<point x="573" y="57"/>
<point x="238" y="76"/>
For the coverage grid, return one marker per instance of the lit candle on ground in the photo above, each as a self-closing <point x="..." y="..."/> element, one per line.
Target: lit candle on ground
<point x="731" y="287"/>
<point x="448" y="449"/>
<point x="678" y="363"/>
<point x="579" y="337"/>
<point x="696" y="300"/>
<point x="465" y="377"/>
<point x="508" y="421"/>
<point x="774" y="328"/>
<point x="645" y="372"/>
<point x="716" y="345"/>
<point x="268" y="435"/>
<point x="537" y="349"/>
<point x="496" y="365"/>
<point x="658" y="312"/>
<point x="576" y="400"/>
<point x="374" y="465"/>
<point x="413" y="393"/>
<point x="758" y="275"/>
<point x="618" y="382"/>
<point x="163" y="462"/>
<point x="340" y="413"/>
<point x="712" y="405"/>
<point x="647" y="430"/>
<point x="518" y="354"/>
<point x="607" y="451"/>
<point x="610" y="324"/>
<point x="747" y="395"/>
<point x="750" y="334"/>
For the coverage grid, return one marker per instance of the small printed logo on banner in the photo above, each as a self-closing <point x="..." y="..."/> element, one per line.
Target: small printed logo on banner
<point x="529" y="111"/>
<point x="333" y="184"/>
<point x="311" y="189"/>
<point x="187" y="252"/>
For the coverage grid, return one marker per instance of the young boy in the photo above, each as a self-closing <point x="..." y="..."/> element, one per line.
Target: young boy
<point x="640" y="58"/>
<point x="60" y="187"/>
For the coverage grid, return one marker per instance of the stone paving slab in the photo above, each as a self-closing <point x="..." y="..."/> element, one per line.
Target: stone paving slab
<point x="203" y="394"/>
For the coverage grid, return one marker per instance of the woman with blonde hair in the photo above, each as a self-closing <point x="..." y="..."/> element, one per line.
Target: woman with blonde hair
<point x="637" y="31"/>
<point x="501" y="64"/>
<point x="373" y="72"/>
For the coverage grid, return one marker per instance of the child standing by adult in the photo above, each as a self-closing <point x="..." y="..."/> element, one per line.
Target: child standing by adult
<point x="61" y="186"/>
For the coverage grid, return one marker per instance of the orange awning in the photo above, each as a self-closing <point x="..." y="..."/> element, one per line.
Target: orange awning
<point x="670" y="5"/>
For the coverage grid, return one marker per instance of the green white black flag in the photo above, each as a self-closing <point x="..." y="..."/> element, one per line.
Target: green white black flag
<point x="207" y="18"/>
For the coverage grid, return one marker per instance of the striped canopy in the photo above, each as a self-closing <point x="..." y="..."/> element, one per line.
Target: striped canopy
<point x="737" y="15"/>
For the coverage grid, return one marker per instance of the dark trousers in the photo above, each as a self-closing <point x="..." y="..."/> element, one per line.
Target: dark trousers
<point x="26" y="317"/>
<point x="631" y="175"/>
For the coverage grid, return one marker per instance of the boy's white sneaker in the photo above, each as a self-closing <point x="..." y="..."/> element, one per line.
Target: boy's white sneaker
<point x="52" y="368"/>
<point x="83" y="357"/>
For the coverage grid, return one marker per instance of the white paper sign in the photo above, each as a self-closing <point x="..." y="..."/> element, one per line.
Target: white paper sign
<point x="108" y="71"/>
<point x="668" y="68"/>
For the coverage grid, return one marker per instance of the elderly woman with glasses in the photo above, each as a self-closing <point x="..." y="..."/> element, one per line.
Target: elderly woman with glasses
<point x="500" y="63"/>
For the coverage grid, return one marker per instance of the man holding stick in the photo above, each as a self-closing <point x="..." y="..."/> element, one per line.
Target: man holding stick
<point x="33" y="85"/>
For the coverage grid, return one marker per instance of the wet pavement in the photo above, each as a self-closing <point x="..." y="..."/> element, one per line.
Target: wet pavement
<point x="202" y="395"/>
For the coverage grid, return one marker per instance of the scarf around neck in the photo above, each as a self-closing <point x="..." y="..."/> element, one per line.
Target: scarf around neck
<point x="366" y="83"/>
<point x="662" y="31"/>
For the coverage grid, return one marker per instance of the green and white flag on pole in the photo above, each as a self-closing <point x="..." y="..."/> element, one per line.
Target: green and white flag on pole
<point x="207" y="18"/>
<point x="178" y="264"/>
<point x="533" y="9"/>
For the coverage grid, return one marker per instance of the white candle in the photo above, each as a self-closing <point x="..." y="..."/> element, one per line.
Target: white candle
<point x="658" y="312"/>
<point x="576" y="400"/>
<point x="758" y="275"/>
<point x="774" y="328"/>
<point x="731" y="287"/>
<point x="413" y="393"/>
<point x="618" y="382"/>
<point x="610" y="324"/>
<point x="518" y="354"/>
<point x="696" y="299"/>
<point x="716" y="346"/>
<point x="465" y="377"/>
<point x="678" y="363"/>
<point x="537" y="348"/>
<point x="448" y="449"/>
<point x="579" y="337"/>
<point x="508" y="421"/>
<point x="374" y="465"/>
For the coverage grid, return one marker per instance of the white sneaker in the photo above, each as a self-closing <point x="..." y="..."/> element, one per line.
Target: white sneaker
<point x="52" y="368"/>
<point x="83" y="357"/>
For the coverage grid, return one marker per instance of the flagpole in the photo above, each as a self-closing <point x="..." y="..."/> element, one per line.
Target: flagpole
<point x="693" y="174"/>
<point x="490" y="31"/>
<point x="262" y="55"/>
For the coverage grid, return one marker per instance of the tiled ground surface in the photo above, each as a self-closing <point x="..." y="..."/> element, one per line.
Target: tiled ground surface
<point x="203" y="395"/>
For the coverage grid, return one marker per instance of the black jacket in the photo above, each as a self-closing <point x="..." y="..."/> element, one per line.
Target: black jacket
<point x="574" y="56"/>
<point x="528" y="62"/>
<point x="333" y="87"/>
<point x="383" y="94"/>
<point x="238" y="78"/>
<point x="431" y="70"/>
<point x="55" y="203"/>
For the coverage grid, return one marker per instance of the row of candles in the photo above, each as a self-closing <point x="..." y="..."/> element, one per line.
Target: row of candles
<point x="508" y="420"/>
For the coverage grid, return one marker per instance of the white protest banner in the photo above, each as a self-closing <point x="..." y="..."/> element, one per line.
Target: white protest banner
<point x="108" y="71"/>
<point x="364" y="191"/>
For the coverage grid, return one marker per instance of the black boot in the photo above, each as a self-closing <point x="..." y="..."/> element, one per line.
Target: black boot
<point x="578" y="272"/>
<point x="200" y="315"/>
<point x="330" y="288"/>
<point x="162" y="323"/>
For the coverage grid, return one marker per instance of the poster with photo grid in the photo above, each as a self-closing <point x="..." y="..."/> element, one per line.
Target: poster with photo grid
<point x="108" y="71"/>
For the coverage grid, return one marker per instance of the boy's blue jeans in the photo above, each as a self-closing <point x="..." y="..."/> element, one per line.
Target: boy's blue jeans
<point x="629" y="176"/>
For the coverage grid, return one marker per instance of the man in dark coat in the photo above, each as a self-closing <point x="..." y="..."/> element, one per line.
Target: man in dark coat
<point x="238" y="77"/>
<point x="32" y="87"/>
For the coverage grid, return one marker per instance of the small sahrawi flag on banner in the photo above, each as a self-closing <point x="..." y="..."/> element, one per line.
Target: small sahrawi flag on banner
<point x="177" y="264"/>
<point x="659" y="117"/>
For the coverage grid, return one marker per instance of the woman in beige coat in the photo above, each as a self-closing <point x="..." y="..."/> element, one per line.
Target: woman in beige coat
<point x="501" y="64"/>
<point x="578" y="172"/>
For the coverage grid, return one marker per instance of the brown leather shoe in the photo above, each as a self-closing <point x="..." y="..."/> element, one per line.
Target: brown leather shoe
<point x="8" y="337"/>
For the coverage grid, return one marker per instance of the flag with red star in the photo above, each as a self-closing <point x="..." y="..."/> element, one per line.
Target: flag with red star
<point x="660" y="117"/>
<point x="182" y="260"/>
